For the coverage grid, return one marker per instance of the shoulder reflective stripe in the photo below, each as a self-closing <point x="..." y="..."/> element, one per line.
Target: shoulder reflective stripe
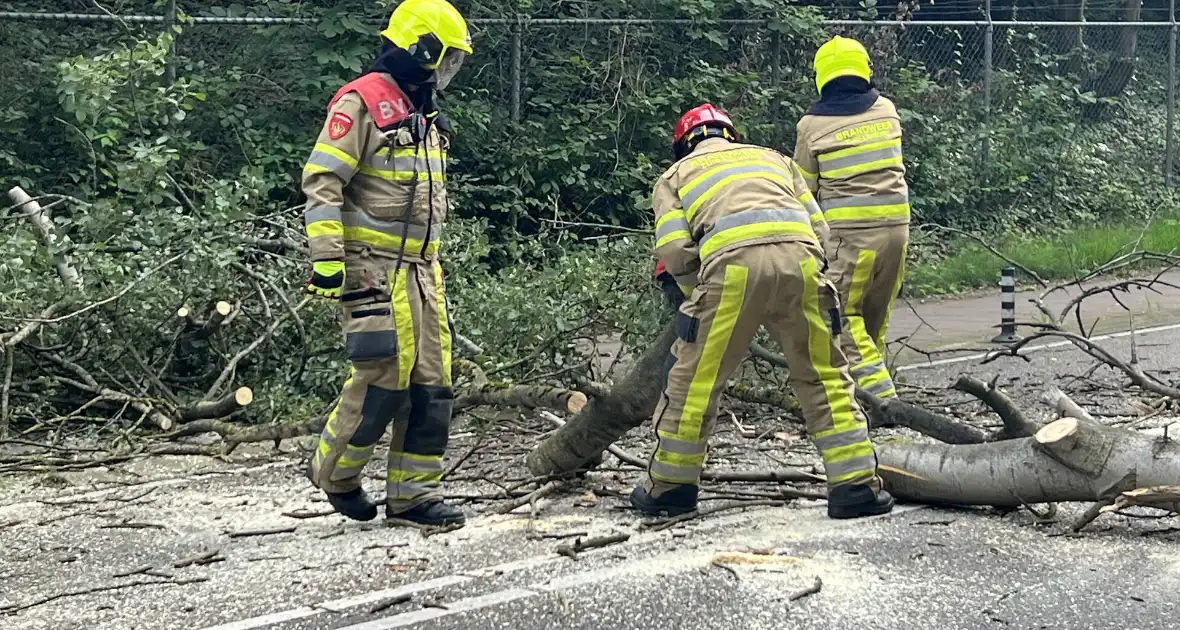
<point x="444" y="324"/>
<point x="322" y="162"/>
<point x="701" y="189"/>
<point x="338" y="153"/>
<point x="754" y="224"/>
<point x="671" y="227"/>
<point x="321" y="213"/>
<point x="877" y="160"/>
<point x="826" y="158"/>
<point x="716" y="342"/>
<point x="865" y="201"/>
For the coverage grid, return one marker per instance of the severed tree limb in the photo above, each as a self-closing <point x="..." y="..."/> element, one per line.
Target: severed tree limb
<point x="549" y="488"/>
<point x="1067" y="460"/>
<point x="217" y="316"/>
<point x="228" y="405"/>
<point x="1015" y="424"/>
<point x="232" y="365"/>
<point x="815" y="587"/>
<point x="894" y="412"/>
<point x="662" y="524"/>
<point x="13" y="339"/>
<point x="1137" y="376"/>
<point x="47" y="237"/>
<point x="774" y="396"/>
<point x="624" y="456"/>
<point x="526" y="396"/>
<point x="579" y="545"/>
<point x="1160" y="497"/>
<point x="1063" y="405"/>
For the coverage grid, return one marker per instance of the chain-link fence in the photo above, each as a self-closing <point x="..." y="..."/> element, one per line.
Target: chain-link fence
<point x="969" y="91"/>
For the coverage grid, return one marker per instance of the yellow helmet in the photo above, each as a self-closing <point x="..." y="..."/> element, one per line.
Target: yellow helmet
<point x="838" y="57"/>
<point x="434" y="33"/>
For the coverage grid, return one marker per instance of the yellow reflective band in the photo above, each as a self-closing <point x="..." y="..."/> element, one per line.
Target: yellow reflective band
<point x="316" y="169"/>
<point x="673" y="236"/>
<point x="819" y="347"/>
<point x="672" y="214"/>
<point x="857" y="169"/>
<point x="856" y="474"/>
<point x="444" y="326"/>
<point x="345" y="462"/>
<point x="428" y="459"/>
<point x="845" y="453"/>
<point x="860" y="148"/>
<point x="324" y="228"/>
<point x="324" y="448"/>
<point x="387" y="241"/>
<point x="806" y="173"/>
<point x="769" y="170"/>
<point x="861" y="273"/>
<point x="406" y="476"/>
<point x="806" y="197"/>
<point x="403" y="320"/>
<point x="401" y="176"/>
<point x="854" y="213"/>
<point x="733" y="296"/>
<point x="680" y="459"/>
<point x="752" y="231"/>
<point x="337" y="153"/>
<point x="889" y="307"/>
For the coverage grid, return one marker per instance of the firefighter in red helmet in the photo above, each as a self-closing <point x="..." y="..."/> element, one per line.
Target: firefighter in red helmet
<point x="741" y="234"/>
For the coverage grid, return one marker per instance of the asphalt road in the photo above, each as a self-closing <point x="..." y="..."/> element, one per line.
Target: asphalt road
<point x="125" y="528"/>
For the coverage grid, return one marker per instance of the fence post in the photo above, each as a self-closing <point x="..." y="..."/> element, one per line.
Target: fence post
<point x="989" y="36"/>
<point x="775" y="78"/>
<point x="169" y="26"/>
<point x="1169" y="143"/>
<point x="516" y="51"/>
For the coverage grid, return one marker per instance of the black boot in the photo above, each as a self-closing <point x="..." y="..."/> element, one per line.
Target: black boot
<point x="679" y="501"/>
<point x="855" y="501"/>
<point x="354" y="504"/>
<point x="434" y="513"/>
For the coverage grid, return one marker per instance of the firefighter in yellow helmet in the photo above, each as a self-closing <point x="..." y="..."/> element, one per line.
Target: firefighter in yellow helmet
<point x="849" y="149"/>
<point x="376" y="201"/>
<point x="737" y="228"/>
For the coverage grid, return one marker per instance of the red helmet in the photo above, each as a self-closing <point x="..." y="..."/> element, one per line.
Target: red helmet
<point x="710" y="120"/>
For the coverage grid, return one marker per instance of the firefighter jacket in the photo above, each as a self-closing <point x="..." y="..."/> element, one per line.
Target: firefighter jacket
<point x="376" y="180"/>
<point x="853" y="165"/>
<point x="726" y="195"/>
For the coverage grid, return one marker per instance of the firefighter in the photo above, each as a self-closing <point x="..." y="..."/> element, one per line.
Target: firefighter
<point x="376" y="201"/>
<point x="732" y="230"/>
<point x="849" y="149"/>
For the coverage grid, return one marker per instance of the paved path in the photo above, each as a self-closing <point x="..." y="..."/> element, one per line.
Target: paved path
<point x="948" y="324"/>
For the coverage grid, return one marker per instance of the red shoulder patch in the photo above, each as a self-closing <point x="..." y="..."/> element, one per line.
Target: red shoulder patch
<point x="339" y="125"/>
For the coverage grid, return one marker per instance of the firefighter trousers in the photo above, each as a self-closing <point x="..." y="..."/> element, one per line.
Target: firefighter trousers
<point x="398" y="339"/>
<point x="782" y="286"/>
<point x="867" y="265"/>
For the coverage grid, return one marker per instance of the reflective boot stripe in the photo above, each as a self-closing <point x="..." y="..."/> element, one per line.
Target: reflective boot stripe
<point x="677" y="460"/>
<point x="412" y="475"/>
<point x="403" y="320"/>
<point x="844" y="420"/>
<point x="444" y="325"/>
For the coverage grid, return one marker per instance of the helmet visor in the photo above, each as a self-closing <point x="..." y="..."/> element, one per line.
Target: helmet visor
<point x="449" y="66"/>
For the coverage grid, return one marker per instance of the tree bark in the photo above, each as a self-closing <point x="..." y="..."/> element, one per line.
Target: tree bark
<point x="47" y="236"/>
<point x="633" y="400"/>
<point x="1067" y="460"/>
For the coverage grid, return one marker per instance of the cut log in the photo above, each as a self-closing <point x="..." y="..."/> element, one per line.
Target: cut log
<point x="526" y="396"/>
<point x="1068" y="460"/>
<point x="212" y="410"/>
<point x="217" y="317"/>
<point x="585" y="436"/>
<point x="1015" y="424"/>
<point x="47" y="237"/>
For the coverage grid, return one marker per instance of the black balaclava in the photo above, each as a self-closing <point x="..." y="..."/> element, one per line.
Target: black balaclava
<point x="415" y="81"/>
<point x="845" y="96"/>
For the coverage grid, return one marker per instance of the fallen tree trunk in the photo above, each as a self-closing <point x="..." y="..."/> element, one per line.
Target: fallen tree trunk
<point x="585" y="436"/>
<point x="525" y="396"/>
<point x="1067" y="460"/>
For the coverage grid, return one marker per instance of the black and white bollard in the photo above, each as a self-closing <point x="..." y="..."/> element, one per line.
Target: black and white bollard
<point x="1007" y="307"/>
